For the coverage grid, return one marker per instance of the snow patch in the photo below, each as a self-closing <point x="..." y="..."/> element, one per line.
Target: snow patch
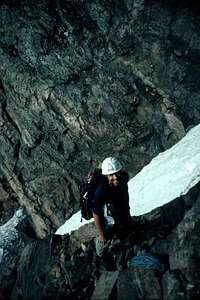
<point x="169" y="175"/>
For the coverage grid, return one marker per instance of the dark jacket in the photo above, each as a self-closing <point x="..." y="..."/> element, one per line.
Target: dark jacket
<point x="116" y="199"/>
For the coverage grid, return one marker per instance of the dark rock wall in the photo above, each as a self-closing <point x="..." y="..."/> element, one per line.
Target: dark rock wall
<point x="81" y="80"/>
<point x="66" y="267"/>
<point x="14" y="236"/>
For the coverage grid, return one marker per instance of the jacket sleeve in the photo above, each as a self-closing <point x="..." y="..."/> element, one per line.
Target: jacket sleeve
<point x="97" y="202"/>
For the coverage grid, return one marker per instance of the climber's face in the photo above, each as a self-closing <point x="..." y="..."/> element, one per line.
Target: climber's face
<point x="113" y="179"/>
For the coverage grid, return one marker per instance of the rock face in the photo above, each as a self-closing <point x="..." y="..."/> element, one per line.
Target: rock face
<point x="81" y="80"/>
<point x="170" y="175"/>
<point x="14" y="236"/>
<point x="8" y="202"/>
<point x="66" y="267"/>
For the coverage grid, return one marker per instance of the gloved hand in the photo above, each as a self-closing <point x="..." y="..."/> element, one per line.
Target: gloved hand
<point x="101" y="246"/>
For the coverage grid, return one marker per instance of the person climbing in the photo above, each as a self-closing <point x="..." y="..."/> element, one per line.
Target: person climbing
<point x="110" y="205"/>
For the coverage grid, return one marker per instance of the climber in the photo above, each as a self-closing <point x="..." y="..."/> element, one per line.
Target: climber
<point x="110" y="205"/>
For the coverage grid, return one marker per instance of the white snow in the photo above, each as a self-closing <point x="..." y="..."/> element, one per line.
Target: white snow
<point x="9" y="226"/>
<point x="9" y="232"/>
<point x="72" y="224"/>
<point x="170" y="174"/>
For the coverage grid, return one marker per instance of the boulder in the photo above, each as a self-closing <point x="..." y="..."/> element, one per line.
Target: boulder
<point x="138" y="284"/>
<point x="15" y="235"/>
<point x="105" y="286"/>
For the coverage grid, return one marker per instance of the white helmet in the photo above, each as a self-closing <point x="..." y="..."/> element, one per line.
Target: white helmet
<point x="111" y="165"/>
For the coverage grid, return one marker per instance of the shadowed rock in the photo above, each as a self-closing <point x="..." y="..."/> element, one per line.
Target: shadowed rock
<point x="80" y="80"/>
<point x="77" y="74"/>
<point x="67" y="266"/>
<point x="138" y="284"/>
<point x="14" y="236"/>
